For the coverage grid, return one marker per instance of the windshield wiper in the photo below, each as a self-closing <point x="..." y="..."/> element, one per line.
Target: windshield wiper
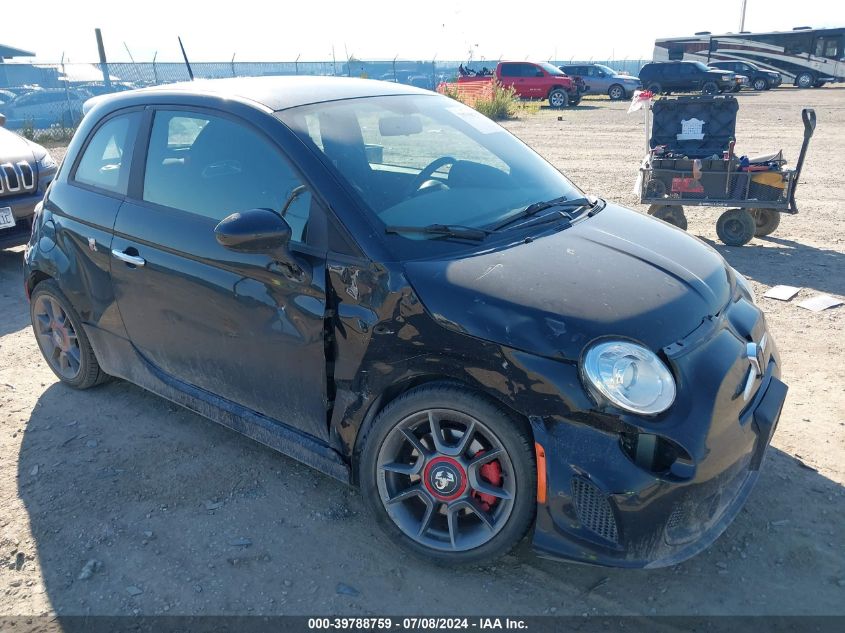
<point x="446" y="230"/>
<point x="537" y="207"/>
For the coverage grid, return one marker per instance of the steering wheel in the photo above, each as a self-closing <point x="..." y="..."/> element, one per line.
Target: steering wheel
<point x="428" y="171"/>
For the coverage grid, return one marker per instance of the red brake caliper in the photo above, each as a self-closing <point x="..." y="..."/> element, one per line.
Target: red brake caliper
<point x="490" y="472"/>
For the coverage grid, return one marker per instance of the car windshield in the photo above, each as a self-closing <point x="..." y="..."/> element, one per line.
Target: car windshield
<point x="701" y="66"/>
<point x="607" y="69"/>
<point x="549" y="68"/>
<point x="422" y="161"/>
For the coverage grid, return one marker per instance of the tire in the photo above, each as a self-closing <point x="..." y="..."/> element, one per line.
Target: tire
<point x="574" y="101"/>
<point x="673" y="214"/>
<point x="61" y="338"/>
<point x="710" y="88"/>
<point x="760" y="84"/>
<point x="736" y="88"/>
<point x="558" y="98"/>
<point x="391" y="463"/>
<point x="805" y="80"/>
<point x="616" y="92"/>
<point x="655" y="87"/>
<point x="735" y="227"/>
<point x="765" y="221"/>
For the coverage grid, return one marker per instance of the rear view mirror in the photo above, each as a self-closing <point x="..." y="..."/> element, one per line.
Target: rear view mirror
<point x="254" y="231"/>
<point x="2" y="120"/>
<point x="400" y="125"/>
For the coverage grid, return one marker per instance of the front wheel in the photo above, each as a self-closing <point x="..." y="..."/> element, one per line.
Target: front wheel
<point x="760" y="84"/>
<point x="558" y="98"/>
<point x="710" y="88"/>
<point x="735" y="227"/>
<point x="655" y="88"/>
<point x="805" y="80"/>
<point x="450" y="475"/>
<point x="616" y="92"/>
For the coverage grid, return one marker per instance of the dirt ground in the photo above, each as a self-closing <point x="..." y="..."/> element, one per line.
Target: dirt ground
<point x="114" y="501"/>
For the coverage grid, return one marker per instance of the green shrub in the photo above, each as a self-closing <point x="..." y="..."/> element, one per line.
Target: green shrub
<point x="502" y="104"/>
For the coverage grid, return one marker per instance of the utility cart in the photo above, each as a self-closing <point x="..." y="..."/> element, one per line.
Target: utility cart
<point x="691" y="162"/>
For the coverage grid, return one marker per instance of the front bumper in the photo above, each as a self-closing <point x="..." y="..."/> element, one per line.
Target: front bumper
<point x="604" y="507"/>
<point x="23" y="207"/>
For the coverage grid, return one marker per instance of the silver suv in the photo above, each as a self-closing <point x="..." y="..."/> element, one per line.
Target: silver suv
<point x="603" y="80"/>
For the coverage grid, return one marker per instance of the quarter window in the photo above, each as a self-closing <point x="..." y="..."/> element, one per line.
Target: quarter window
<point x="105" y="162"/>
<point x="213" y="166"/>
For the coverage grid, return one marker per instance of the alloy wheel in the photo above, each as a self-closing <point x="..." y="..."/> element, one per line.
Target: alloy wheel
<point x="57" y="337"/>
<point x="446" y="480"/>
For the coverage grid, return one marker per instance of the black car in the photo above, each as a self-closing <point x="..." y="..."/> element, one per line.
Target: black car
<point x="388" y="286"/>
<point x="26" y="170"/>
<point x="758" y="79"/>
<point x="675" y="76"/>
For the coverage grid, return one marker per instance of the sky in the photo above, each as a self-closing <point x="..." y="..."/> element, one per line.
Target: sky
<point x="215" y="30"/>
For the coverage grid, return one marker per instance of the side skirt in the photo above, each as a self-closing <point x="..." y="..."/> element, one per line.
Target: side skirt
<point x="118" y="357"/>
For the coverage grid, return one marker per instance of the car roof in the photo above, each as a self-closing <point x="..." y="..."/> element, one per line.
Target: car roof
<point x="275" y="93"/>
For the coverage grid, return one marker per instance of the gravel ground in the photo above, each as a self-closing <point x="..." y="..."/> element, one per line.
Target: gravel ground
<point x="114" y="501"/>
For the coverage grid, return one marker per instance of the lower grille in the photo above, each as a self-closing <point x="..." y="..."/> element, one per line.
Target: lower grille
<point x="593" y="509"/>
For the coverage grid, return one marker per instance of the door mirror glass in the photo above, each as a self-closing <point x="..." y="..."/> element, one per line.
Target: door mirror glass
<point x="254" y="231"/>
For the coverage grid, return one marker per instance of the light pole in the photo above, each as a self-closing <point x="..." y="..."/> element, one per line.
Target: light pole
<point x="742" y="17"/>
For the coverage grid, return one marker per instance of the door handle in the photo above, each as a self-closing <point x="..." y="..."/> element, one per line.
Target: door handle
<point x="135" y="260"/>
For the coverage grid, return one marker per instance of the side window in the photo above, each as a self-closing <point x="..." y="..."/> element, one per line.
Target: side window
<point x="106" y="159"/>
<point x="213" y="166"/>
<point x="530" y="70"/>
<point x="511" y="70"/>
<point x="827" y="47"/>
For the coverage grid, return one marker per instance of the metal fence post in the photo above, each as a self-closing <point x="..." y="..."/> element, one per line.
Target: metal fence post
<point x="104" y="65"/>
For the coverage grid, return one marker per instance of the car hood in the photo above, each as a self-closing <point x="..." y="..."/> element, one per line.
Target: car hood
<point x="618" y="273"/>
<point x="14" y="147"/>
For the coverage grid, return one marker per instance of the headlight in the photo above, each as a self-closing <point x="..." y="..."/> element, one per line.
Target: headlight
<point x="47" y="162"/>
<point x="744" y="287"/>
<point x="630" y="376"/>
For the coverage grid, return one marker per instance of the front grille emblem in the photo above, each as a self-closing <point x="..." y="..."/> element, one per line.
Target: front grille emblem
<point x="754" y="352"/>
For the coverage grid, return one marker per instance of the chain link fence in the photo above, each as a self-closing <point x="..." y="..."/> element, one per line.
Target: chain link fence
<point x="45" y="95"/>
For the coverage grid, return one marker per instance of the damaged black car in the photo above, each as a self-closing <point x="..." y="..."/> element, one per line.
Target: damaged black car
<point x="384" y="284"/>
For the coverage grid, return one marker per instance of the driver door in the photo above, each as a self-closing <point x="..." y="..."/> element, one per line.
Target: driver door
<point x="239" y="326"/>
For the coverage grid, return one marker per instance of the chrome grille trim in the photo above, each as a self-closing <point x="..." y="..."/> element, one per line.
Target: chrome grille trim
<point x="17" y="177"/>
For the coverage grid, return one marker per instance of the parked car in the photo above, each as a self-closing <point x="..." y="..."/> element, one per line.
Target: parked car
<point x="26" y="169"/>
<point x="668" y="77"/>
<point x="603" y="80"/>
<point x="758" y="79"/>
<point x="539" y="80"/>
<point x="99" y="88"/>
<point x="442" y="338"/>
<point x="43" y="108"/>
<point x="6" y="96"/>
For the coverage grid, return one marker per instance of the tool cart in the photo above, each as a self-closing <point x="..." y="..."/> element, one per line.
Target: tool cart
<point x="691" y="162"/>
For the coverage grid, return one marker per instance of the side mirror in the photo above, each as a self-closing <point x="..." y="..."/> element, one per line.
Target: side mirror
<point x="2" y="120"/>
<point x="255" y="231"/>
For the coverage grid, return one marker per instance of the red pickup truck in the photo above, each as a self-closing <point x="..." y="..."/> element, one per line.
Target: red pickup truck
<point x="532" y="80"/>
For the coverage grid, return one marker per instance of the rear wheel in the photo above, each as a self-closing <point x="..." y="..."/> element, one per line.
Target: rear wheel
<point x="710" y="88"/>
<point x="450" y="475"/>
<point x="616" y="92"/>
<point x="760" y="84"/>
<point x="805" y="80"/>
<point x="765" y="221"/>
<point x="61" y="339"/>
<point x="673" y="214"/>
<point x="735" y="227"/>
<point x="558" y="98"/>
